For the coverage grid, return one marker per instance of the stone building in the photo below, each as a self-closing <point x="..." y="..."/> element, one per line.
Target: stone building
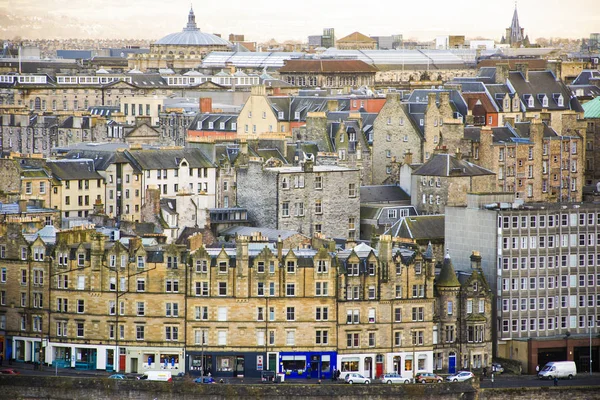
<point x="518" y="154"/>
<point x="445" y="180"/>
<point x="463" y="314"/>
<point x="592" y="135"/>
<point x="136" y="305"/>
<point x="308" y="198"/>
<point x="181" y="50"/>
<point x="76" y="187"/>
<point x="394" y="135"/>
<point x="328" y="73"/>
<point x="25" y="177"/>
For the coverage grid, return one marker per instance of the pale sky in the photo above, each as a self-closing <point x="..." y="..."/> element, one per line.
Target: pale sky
<point x="260" y="20"/>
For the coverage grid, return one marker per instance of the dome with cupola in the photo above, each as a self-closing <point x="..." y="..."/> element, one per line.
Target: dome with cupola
<point x="192" y="36"/>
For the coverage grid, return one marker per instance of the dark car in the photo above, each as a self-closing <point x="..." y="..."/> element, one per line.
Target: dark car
<point x="428" y="377"/>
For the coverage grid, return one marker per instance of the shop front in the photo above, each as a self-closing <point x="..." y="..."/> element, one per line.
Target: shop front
<point x="26" y="349"/>
<point x="409" y="363"/>
<point x="364" y="364"/>
<point x="78" y="356"/>
<point x="141" y="359"/>
<point x="308" y="365"/>
<point x="226" y="364"/>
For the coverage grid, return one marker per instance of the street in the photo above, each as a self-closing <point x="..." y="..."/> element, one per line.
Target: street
<point x="501" y="381"/>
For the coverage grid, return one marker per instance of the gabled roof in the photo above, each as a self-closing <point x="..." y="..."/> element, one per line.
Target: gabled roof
<point x="586" y="75"/>
<point x="327" y="66"/>
<point x="420" y="228"/>
<point x="541" y="83"/>
<point x="356" y="37"/>
<point x="448" y="165"/>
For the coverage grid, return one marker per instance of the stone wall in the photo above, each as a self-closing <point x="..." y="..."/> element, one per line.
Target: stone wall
<point x="51" y="388"/>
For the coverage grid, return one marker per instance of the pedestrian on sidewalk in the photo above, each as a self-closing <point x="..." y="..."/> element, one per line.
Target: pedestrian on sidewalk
<point x="537" y="369"/>
<point x="555" y="381"/>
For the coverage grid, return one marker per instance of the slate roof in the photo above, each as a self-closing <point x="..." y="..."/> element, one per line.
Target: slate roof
<point x="327" y="66"/>
<point x="447" y="276"/>
<point x="592" y="108"/>
<point x="73" y="169"/>
<point x="202" y="122"/>
<point x="168" y="158"/>
<point x="382" y="194"/>
<point x="449" y="165"/>
<point x="586" y="75"/>
<point x="542" y="83"/>
<point x="102" y="159"/>
<point x="419" y="227"/>
<point x="508" y="134"/>
<point x="581" y="91"/>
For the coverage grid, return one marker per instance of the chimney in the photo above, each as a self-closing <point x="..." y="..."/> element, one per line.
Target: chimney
<point x="444" y="98"/>
<point x="475" y="260"/>
<point x="385" y="248"/>
<point x="205" y="105"/>
<point x="523" y="68"/>
<point x="153" y="197"/>
<point x="555" y="66"/>
<point x="458" y="154"/>
<point x="332" y="105"/>
<point x="408" y="158"/>
<point x="486" y="139"/>
<point x="536" y="131"/>
<point x="243" y="147"/>
<point x="502" y="72"/>
<point x="134" y="244"/>
<point x="431" y="98"/>
<point x="22" y="205"/>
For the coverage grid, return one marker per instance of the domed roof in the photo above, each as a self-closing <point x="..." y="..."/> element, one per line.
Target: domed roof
<point x="191" y="36"/>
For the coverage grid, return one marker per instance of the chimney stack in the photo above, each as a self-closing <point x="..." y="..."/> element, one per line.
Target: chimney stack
<point x="408" y="157"/>
<point x="502" y="72"/>
<point x="523" y="68"/>
<point x="205" y="105"/>
<point x="22" y="205"/>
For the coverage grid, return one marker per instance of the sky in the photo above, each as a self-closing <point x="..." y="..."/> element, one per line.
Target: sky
<point x="261" y="20"/>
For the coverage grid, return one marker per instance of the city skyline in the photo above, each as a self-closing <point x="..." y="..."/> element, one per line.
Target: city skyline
<point x="111" y="19"/>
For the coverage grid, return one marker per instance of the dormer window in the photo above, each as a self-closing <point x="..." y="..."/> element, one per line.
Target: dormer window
<point x="544" y="101"/>
<point x="222" y="125"/>
<point x="211" y="125"/>
<point x="280" y="114"/>
<point x="560" y="101"/>
<point x="529" y="101"/>
<point x="297" y="115"/>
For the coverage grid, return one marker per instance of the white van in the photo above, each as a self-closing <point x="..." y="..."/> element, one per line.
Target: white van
<point x="558" y="369"/>
<point x="163" y="376"/>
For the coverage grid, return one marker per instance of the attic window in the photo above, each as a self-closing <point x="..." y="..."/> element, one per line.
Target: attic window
<point x="280" y="114"/>
<point x="545" y="101"/>
<point x="560" y="101"/>
<point x="530" y="101"/>
<point x="297" y="115"/>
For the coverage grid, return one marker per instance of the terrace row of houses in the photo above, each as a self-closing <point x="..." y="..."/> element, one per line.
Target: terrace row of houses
<point x="84" y="301"/>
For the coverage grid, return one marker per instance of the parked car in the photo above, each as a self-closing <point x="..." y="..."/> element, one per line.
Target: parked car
<point x="460" y="376"/>
<point x="353" y="377"/>
<point x="428" y="377"/>
<point x="9" y="371"/>
<point x="117" y="376"/>
<point x="164" y="376"/>
<point x="497" y="368"/>
<point x="205" y="379"/>
<point x="393" y="378"/>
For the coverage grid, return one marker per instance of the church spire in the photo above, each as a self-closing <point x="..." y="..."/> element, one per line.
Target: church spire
<point x="516" y="33"/>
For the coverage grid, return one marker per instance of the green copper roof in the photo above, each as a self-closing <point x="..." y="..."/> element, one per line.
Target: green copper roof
<point x="592" y="108"/>
<point x="447" y="276"/>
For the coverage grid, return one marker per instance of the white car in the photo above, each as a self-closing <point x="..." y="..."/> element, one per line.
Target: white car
<point x="353" y="377"/>
<point x="393" y="378"/>
<point x="460" y="376"/>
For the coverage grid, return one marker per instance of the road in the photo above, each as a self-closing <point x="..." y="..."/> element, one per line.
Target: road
<point x="502" y="381"/>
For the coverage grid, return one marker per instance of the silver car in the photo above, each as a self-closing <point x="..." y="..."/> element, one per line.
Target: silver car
<point x="353" y="377"/>
<point x="460" y="376"/>
<point x="393" y="378"/>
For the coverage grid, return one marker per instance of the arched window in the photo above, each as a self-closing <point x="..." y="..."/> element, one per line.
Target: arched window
<point x="38" y="103"/>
